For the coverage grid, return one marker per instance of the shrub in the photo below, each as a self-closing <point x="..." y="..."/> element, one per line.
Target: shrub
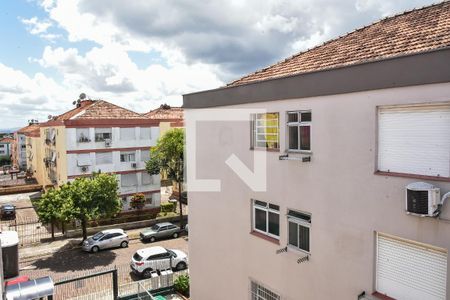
<point x="182" y="285"/>
<point x="168" y="207"/>
<point x="138" y="201"/>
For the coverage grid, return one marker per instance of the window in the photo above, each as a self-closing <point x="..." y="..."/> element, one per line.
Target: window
<point x="414" y="140"/>
<point x="299" y="130"/>
<point x="127" y="134"/>
<point x="299" y="227"/>
<point x="102" y="134"/>
<point x="145" y="133"/>
<point x="128" y="156"/>
<point x="266" y="218"/>
<point x="84" y="160"/>
<point x="146" y="178"/>
<point x="83" y="135"/>
<point x="265" y="131"/>
<point x="127" y="180"/>
<point x="103" y="158"/>
<point x="148" y="199"/>
<point x="258" y="292"/>
<point x="145" y="155"/>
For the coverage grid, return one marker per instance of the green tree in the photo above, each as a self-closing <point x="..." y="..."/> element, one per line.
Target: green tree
<point x="92" y="198"/>
<point x="168" y="157"/>
<point x="50" y="208"/>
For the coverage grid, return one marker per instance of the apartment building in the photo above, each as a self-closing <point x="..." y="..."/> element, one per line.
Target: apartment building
<point x="167" y="116"/>
<point x="98" y="136"/>
<point x="20" y="151"/>
<point x="5" y="146"/>
<point x="352" y="140"/>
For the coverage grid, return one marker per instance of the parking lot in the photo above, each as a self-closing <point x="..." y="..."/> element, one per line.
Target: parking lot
<point x="75" y="262"/>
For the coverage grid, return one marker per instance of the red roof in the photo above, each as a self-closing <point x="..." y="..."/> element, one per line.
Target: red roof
<point x="7" y="140"/>
<point x="30" y="130"/>
<point x="165" y="112"/>
<point x="419" y="30"/>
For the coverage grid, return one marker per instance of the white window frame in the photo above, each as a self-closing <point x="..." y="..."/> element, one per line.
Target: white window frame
<point x="267" y="209"/>
<point x="299" y="222"/>
<point x="82" y="132"/>
<point x="127" y="156"/>
<point x="256" y="121"/>
<point x="299" y="124"/>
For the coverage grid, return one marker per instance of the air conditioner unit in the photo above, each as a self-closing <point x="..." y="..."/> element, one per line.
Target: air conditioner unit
<point x="107" y="143"/>
<point x="134" y="165"/>
<point x="423" y="199"/>
<point x="84" y="169"/>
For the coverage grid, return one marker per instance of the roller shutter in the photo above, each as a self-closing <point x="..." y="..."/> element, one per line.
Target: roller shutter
<point x="409" y="270"/>
<point x="414" y="140"/>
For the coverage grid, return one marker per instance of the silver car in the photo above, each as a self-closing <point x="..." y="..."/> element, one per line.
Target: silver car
<point x="106" y="239"/>
<point x="160" y="230"/>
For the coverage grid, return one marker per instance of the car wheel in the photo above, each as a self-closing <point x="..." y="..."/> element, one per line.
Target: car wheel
<point x="124" y="244"/>
<point x="95" y="249"/>
<point x="181" y="266"/>
<point x="147" y="273"/>
<point x="152" y="239"/>
<point x="175" y="235"/>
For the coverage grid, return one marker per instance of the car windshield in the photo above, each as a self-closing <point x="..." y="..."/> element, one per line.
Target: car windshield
<point x="173" y="254"/>
<point x="137" y="257"/>
<point x="155" y="227"/>
<point x="97" y="236"/>
<point x="8" y="207"/>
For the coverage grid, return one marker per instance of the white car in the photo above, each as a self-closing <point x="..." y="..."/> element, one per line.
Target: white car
<point x="106" y="239"/>
<point x="146" y="261"/>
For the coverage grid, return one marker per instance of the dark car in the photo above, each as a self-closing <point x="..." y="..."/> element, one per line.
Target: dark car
<point x="8" y="211"/>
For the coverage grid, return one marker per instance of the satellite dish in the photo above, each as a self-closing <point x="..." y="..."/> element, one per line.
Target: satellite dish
<point x="74" y="102"/>
<point x="49" y="117"/>
<point x="82" y="96"/>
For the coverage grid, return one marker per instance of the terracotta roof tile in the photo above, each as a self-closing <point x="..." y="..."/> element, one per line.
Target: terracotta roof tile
<point x="32" y="128"/>
<point x="419" y="30"/>
<point x="165" y="112"/>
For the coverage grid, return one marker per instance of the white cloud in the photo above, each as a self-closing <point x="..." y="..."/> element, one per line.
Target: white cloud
<point x="35" y="26"/>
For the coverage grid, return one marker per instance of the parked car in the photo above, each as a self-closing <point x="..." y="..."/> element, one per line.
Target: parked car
<point x="106" y="239"/>
<point x="146" y="261"/>
<point x="160" y="230"/>
<point x="186" y="228"/>
<point x="8" y="211"/>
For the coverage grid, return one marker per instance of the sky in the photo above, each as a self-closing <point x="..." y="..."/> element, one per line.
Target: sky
<point x="140" y="54"/>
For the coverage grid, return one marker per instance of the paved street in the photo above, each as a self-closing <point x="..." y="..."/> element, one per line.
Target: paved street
<point x="75" y="262"/>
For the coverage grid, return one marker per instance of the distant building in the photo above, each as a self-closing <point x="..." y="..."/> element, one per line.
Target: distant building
<point x="5" y="146"/>
<point x="20" y="148"/>
<point x="167" y="116"/>
<point x="98" y="136"/>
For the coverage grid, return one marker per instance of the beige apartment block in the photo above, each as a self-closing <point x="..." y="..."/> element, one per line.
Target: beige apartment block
<point x="352" y="140"/>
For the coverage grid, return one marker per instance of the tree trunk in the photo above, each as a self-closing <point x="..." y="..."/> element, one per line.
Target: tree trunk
<point x="83" y="227"/>
<point x="63" y="227"/>
<point x="181" y="204"/>
<point x="53" y="230"/>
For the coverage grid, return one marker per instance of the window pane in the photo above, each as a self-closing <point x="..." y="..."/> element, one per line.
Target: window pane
<point x="274" y="207"/>
<point x="305" y="138"/>
<point x="306" y="116"/>
<point x="274" y="223"/>
<point x="260" y="220"/>
<point x="299" y="215"/>
<point x="145" y="155"/>
<point x="303" y="238"/>
<point x="293" y="137"/>
<point x="266" y="131"/>
<point x="293" y="117"/>
<point x="261" y="203"/>
<point x="102" y="158"/>
<point x="293" y="234"/>
<point x="145" y="133"/>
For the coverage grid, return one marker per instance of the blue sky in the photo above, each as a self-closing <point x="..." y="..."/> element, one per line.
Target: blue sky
<point x="150" y="52"/>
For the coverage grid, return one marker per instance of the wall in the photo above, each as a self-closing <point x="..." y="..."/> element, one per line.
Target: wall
<point x="348" y="202"/>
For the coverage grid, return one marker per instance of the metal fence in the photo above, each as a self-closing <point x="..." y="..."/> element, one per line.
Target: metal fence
<point x="109" y="284"/>
<point x="30" y="230"/>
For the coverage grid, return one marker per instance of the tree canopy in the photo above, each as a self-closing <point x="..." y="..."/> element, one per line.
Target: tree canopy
<point x="83" y="199"/>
